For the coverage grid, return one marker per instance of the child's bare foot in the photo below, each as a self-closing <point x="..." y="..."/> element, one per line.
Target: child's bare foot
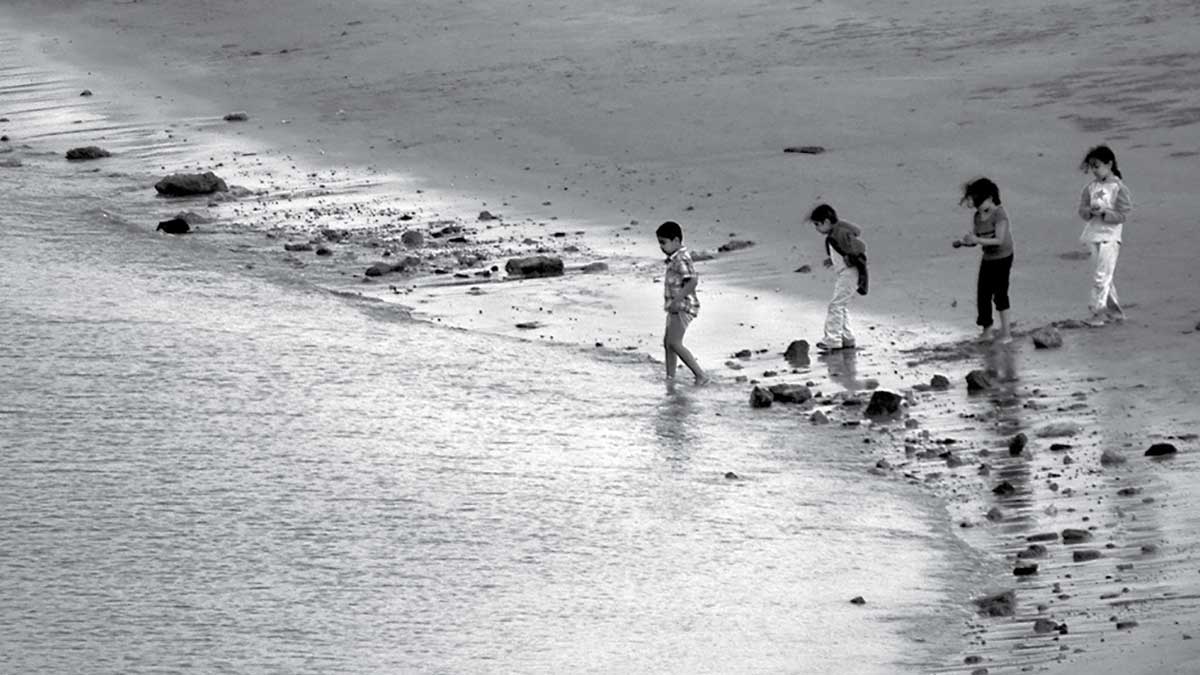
<point x="703" y="379"/>
<point x="985" y="334"/>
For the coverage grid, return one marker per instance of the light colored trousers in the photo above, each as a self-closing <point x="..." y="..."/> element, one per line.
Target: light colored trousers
<point x="1104" y="290"/>
<point x="837" y="319"/>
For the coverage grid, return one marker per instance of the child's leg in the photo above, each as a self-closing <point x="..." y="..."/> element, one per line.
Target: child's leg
<point x="1104" y="260"/>
<point x="676" y="326"/>
<point x="1112" y="303"/>
<point x="852" y="281"/>
<point x="669" y="357"/>
<point x="835" y="316"/>
<point x="1001" y="271"/>
<point x="983" y="297"/>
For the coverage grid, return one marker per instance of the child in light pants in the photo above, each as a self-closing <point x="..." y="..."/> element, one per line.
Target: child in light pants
<point x="850" y="263"/>
<point x="1104" y="203"/>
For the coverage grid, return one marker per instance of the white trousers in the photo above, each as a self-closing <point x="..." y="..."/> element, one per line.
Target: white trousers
<point x="1104" y="267"/>
<point x="837" y="319"/>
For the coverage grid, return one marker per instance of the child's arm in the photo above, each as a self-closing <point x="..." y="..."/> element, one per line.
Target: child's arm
<point x="688" y="287"/>
<point x="1085" y="204"/>
<point x="1121" y="208"/>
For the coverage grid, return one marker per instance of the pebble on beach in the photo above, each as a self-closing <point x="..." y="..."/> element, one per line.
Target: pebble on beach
<point x="236" y="116"/>
<point x="1161" y="450"/>
<point x="188" y="184"/>
<point x="761" y="398"/>
<point x="87" y="152"/>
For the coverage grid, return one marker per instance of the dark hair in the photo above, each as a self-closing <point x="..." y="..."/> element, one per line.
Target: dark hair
<point x="1102" y="154"/>
<point x="979" y="189"/>
<point x="669" y="230"/>
<point x="823" y="213"/>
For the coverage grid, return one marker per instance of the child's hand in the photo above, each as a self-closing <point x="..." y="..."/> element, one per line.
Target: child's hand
<point x="969" y="239"/>
<point x="828" y="262"/>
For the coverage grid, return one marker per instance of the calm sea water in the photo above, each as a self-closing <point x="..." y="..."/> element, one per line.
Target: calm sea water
<point x="210" y="468"/>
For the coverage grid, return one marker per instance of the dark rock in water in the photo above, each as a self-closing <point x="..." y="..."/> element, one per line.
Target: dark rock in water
<point x="1056" y="447"/>
<point x="804" y="149"/>
<point x="1000" y="604"/>
<point x="858" y="600"/>
<point x="1026" y="570"/>
<point x="796" y="350"/>
<point x="187" y="184"/>
<point x="978" y="380"/>
<point x="735" y="245"/>
<point x="1017" y="444"/>
<point x="883" y="404"/>
<point x="412" y="239"/>
<point x="535" y="266"/>
<point x="1126" y="625"/>
<point x="804" y="269"/>
<point x="760" y="398"/>
<point x="1074" y="536"/>
<point x="1129" y="492"/>
<point x="87" y="152"/>
<point x="1047" y="337"/>
<point x="304" y="246"/>
<point x="529" y="325"/>
<point x="1043" y="626"/>
<point x="487" y="215"/>
<point x="174" y="226"/>
<point x="1005" y="488"/>
<point x="729" y="475"/>
<point x="1043" y="536"/>
<point x="743" y="354"/>
<point x="1161" y="450"/>
<point x="1033" y="551"/>
<point x="594" y="267"/>
<point x="4" y="138"/>
<point x="324" y="251"/>
<point x="86" y="92"/>
<point x="790" y="393"/>
<point x="237" y="116"/>
<point x="939" y="382"/>
<point x="818" y="417"/>
<point x="1085" y="554"/>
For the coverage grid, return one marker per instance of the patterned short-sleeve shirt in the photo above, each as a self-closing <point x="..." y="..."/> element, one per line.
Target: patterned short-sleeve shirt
<point x="679" y="270"/>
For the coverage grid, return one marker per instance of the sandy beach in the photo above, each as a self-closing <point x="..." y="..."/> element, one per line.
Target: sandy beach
<point x="504" y="129"/>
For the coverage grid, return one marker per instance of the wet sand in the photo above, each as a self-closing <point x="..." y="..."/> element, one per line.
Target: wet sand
<point x="581" y="131"/>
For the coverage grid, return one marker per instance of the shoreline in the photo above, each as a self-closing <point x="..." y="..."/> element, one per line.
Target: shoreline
<point x="773" y="313"/>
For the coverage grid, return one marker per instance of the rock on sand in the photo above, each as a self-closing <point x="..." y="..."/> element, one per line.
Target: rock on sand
<point x="1047" y="337"/>
<point x="735" y="245"/>
<point x="883" y="404"/>
<point x="760" y="398"/>
<point x="187" y="184"/>
<point x="978" y="380"/>
<point x="790" y="393"/>
<point x="87" y="152"/>
<point x="535" y="266"/>
<point x="174" y="226"/>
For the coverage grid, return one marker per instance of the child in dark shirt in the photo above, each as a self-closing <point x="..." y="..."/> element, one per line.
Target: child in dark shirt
<point x="841" y="237"/>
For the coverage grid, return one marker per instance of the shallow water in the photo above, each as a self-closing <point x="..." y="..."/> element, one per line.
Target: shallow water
<point x="226" y="469"/>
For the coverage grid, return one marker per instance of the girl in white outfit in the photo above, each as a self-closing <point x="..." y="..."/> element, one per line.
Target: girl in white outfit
<point x="1104" y="203"/>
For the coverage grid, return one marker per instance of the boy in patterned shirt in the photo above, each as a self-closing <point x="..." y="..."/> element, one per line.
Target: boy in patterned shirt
<point x="679" y="299"/>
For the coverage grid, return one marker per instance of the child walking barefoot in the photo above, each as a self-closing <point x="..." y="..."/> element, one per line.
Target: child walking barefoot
<point x="679" y="300"/>
<point x="1104" y="203"/>
<point x="841" y="237"/>
<point x="990" y="229"/>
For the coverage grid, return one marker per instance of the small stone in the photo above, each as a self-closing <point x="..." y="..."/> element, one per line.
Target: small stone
<point x="729" y="475"/>
<point x="1017" y="444"/>
<point x="1161" y="450"/>
<point x="1043" y="536"/>
<point x="1004" y="488"/>
<point x="790" y="393"/>
<point x="978" y="380"/>
<point x="735" y="245"/>
<point x="412" y="239"/>
<point x="804" y="269"/>
<point x="1085" y="555"/>
<point x="324" y="251"/>
<point x="1074" y="536"/>
<point x="305" y="246"/>
<point x="796" y="350"/>
<point x="883" y="404"/>
<point x="535" y="266"/>
<point x="1025" y="570"/>
<point x="487" y="215"/>
<point x="1043" y="626"/>
<point x="87" y="152"/>
<point x="939" y="382"/>
<point x="1127" y="624"/>
<point x="595" y="267"/>
<point x="760" y="398"/>
<point x="1033" y="551"/>
<point x="1059" y="429"/>
<point x="1047" y="337"/>
<point x="86" y="92"/>
<point x="818" y="417"/>
<point x="995" y="514"/>
<point x="174" y="226"/>
<point x="1111" y="458"/>
<point x="805" y="149"/>
<point x="237" y="116"/>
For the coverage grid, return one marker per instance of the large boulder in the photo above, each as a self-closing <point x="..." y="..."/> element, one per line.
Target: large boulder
<point x="790" y="393"/>
<point x="87" y="152"/>
<point x="1047" y="337"/>
<point x="188" y="184"/>
<point x="535" y="266"/>
<point x="883" y="404"/>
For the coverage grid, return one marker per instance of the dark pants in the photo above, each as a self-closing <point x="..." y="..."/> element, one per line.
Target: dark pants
<point x="993" y="286"/>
